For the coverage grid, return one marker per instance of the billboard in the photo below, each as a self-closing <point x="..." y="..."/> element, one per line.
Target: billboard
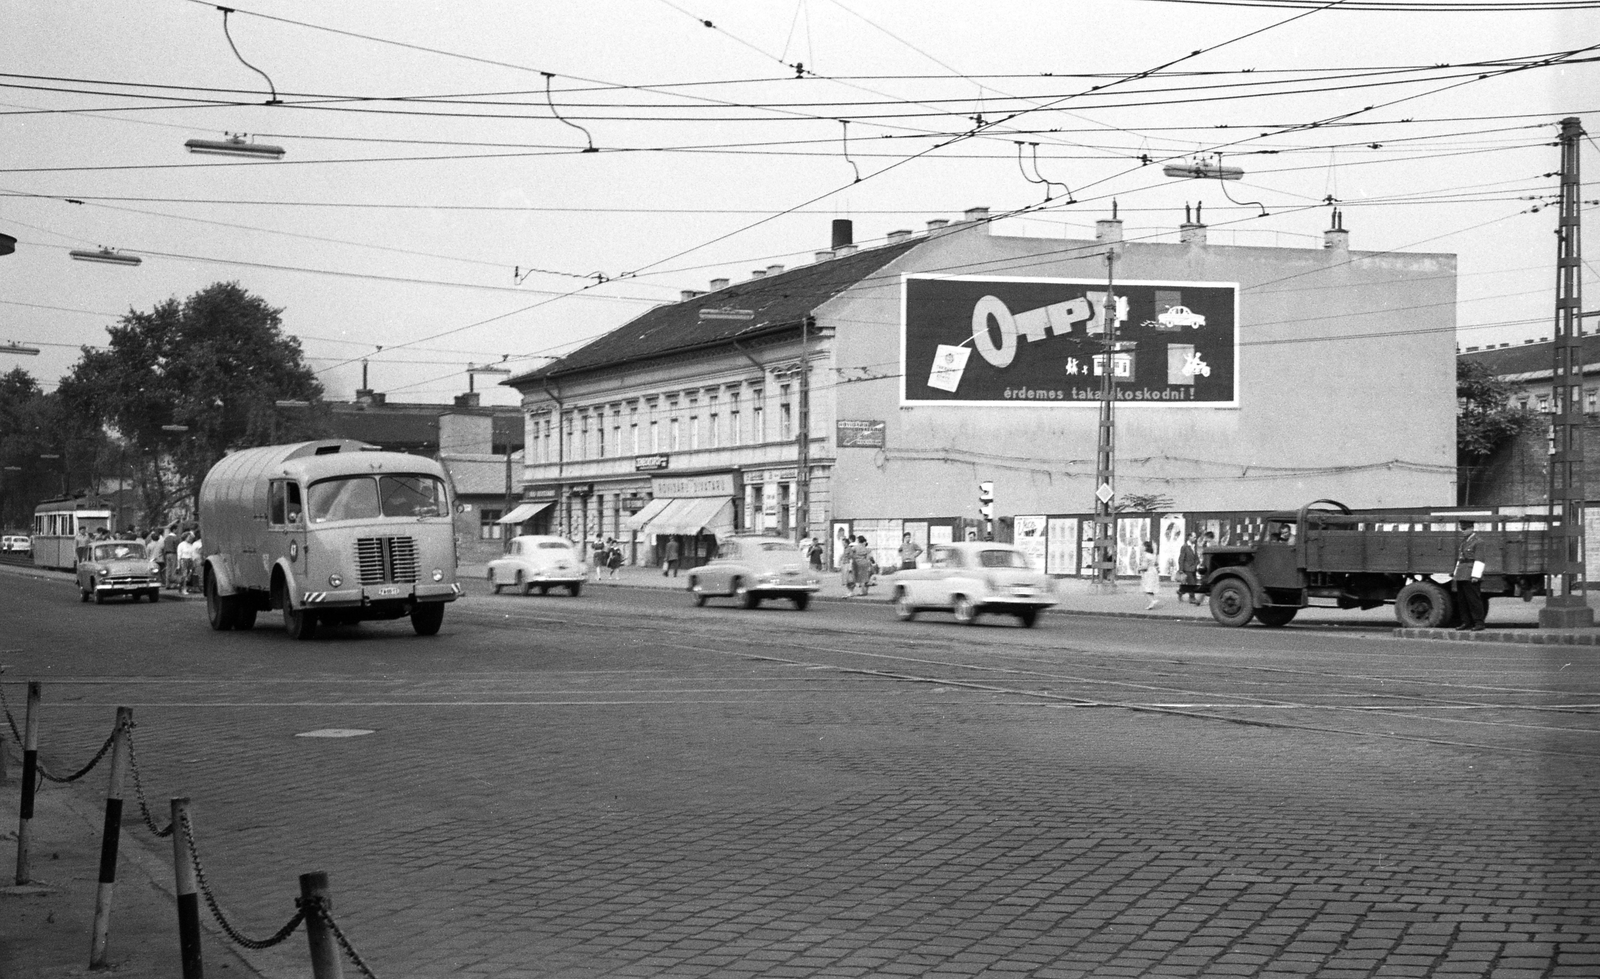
<point x="983" y="340"/>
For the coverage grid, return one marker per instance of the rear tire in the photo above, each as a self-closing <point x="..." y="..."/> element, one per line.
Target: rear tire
<point x="575" y="589"/>
<point x="745" y="596"/>
<point x="1028" y="617"/>
<point x="903" y="609"/>
<point x="801" y="601"/>
<point x="1274" y="616"/>
<point x="524" y="586"/>
<point x="1423" y="605"/>
<point x="426" y="619"/>
<point x="221" y="610"/>
<point x="244" y="615"/>
<point x="1231" y="603"/>
<point x="966" y="611"/>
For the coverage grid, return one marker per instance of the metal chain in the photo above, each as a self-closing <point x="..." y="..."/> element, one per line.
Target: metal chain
<point x="80" y="773"/>
<point x="216" y="909"/>
<point x="138" y="790"/>
<point x="344" y="943"/>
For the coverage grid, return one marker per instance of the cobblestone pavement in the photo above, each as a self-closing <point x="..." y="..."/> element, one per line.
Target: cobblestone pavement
<point x="619" y="786"/>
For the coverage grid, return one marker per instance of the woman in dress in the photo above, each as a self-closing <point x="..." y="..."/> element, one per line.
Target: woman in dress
<point x="1149" y="574"/>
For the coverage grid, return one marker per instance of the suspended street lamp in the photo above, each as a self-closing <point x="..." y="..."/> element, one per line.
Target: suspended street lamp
<point x="235" y="145"/>
<point x="105" y="255"/>
<point x="1202" y="168"/>
<point x="8" y="244"/>
<point x="16" y="348"/>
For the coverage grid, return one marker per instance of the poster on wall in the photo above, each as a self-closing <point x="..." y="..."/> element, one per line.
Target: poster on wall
<point x="1173" y="527"/>
<point x="992" y="341"/>
<point x="1061" y="550"/>
<point x="1132" y="532"/>
<point x="1027" y="536"/>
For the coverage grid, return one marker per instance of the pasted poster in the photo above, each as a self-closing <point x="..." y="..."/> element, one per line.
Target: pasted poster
<point x="1027" y="536"/>
<point x="980" y="340"/>
<point x="1173" y="527"/>
<point x="1061" y="546"/>
<point x="1132" y="532"/>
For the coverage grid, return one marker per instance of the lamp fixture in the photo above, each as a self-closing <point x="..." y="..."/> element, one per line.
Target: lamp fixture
<point x="235" y="145"/>
<point x="1201" y="167"/>
<point x="8" y="244"/>
<point x="106" y="256"/>
<point x="19" y="349"/>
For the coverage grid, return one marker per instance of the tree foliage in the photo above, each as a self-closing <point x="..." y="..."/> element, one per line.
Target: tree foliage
<point x="186" y="382"/>
<point x="1486" y="419"/>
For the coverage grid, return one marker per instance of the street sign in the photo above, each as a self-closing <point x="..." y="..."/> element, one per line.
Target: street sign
<point x="1104" y="494"/>
<point x="860" y="433"/>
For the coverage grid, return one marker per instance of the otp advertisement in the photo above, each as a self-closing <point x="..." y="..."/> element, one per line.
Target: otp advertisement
<point x="989" y="341"/>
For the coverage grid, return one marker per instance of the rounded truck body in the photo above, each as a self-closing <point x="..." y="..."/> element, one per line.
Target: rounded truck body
<point x="332" y="531"/>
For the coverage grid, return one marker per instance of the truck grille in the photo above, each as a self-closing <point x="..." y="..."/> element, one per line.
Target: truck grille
<point x="380" y="560"/>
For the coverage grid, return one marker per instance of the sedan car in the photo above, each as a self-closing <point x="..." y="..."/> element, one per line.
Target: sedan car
<point x="972" y="578"/>
<point x="17" y="544"/>
<point x="540" y="562"/>
<point x="751" y="567"/>
<point x="118" y="567"/>
<point x="1178" y="317"/>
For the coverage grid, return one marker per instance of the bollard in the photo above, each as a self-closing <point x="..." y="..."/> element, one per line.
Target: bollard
<point x="325" y="961"/>
<point x="30" y="775"/>
<point x="110" y="835"/>
<point x="188" y="900"/>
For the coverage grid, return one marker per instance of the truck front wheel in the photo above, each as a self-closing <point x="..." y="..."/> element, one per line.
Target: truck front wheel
<point x="1423" y="605"/>
<point x="1231" y="603"/>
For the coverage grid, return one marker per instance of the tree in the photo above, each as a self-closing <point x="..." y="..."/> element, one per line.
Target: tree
<point x="1485" y="419"/>
<point x="185" y="383"/>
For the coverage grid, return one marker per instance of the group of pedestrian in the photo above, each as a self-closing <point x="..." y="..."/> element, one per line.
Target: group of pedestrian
<point x="176" y="557"/>
<point x="860" y="566"/>
<point x="605" y="557"/>
<point x="1188" y="571"/>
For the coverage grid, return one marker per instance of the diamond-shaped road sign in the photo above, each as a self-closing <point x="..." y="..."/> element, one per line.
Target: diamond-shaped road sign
<point x="1104" y="494"/>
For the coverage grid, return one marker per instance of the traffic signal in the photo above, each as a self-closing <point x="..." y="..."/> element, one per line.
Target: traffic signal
<point x="986" y="500"/>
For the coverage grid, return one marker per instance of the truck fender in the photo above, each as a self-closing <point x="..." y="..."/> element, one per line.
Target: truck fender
<point x="221" y="573"/>
<point x="1242" y="573"/>
<point x="291" y="592"/>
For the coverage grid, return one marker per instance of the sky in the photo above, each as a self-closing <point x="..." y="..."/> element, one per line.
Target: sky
<point x="437" y="206"/>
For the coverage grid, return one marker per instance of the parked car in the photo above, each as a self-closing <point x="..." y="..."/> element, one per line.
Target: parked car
<point x="118" y="567"/>
<point x="752" y="567"/>
<point x="970" y="579"/>
<point x="17" y="544"/>
<point x="536" y="561"/>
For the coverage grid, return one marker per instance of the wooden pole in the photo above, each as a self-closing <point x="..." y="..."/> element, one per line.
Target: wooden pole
<point x="110" y="835"/>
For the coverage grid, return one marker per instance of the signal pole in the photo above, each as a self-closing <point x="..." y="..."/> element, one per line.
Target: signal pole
<point x="1105" y="514"/>
<point x="1568" y="606"/>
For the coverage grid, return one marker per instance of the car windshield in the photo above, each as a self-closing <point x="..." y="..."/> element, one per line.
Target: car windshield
<point x="119" y="551"/>
<point x="778" y="545"/>
<point x="552" y="545"/>
<point x="996" y="558"/>
<point x="370" y="497"/>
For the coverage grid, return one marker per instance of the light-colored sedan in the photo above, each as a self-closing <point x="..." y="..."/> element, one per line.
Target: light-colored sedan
<point x="118" y="567"/>
<point x="539" y="562"/>
<point x="17" y="544"/>
<point x="972" y="578"/>
<point x="751" y="567"/>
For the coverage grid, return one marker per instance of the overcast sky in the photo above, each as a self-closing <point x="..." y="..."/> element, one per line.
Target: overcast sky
<point x="435" y="201"/>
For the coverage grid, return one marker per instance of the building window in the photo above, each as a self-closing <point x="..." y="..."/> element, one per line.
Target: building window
<point x="758" y="424"/>
<point x="600" y="437"/>
<point x="1591" y="400"/>
<point x="655" y="436"/>
<point x="571" y="448"/>
<point x="672" y="434"/>
<point x="1544" y="402"/>
<point x="633" y="436"/>
<point x="714" y="431"/>
<point x="616" y="432"/>
<point x="694" y="431"/>
<point x="735" y="433"/>
<point x="488" y="528"/>
<point x="785" y="414"/>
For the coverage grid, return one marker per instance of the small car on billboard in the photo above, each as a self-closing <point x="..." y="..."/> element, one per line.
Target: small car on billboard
<point x="16" y="544"/>
<point x="972" y="578"/>
<point x="537" y="561"/>
<point x="118" y="567"/>
<point x="752" y="567"/>
<point x="1178" y="317"/>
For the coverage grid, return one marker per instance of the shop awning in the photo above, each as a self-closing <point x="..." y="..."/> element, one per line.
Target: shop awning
<point x="687" y="516"/>
<point x="647" y="513"/>
<point x="525" y="511"/>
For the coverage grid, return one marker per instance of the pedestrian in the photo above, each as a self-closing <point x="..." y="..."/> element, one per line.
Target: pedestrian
<point x="169" y="553"/>
<point x="814" y="554"/>
<point x="188" y="558"/>
<point x="1188" y="570"/>
<point x="1468" y="572"/>
<point x="863" y="566"/>
<point x="1149" y="574"/>
<point x="613" y="557"/>
<point x="597" y="556"/>
<point x="670" y="562"/>
<point x="80" y="543"/>
<point x="909" y="551"/>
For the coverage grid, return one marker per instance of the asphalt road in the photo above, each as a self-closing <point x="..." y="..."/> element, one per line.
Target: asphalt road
<point x="624" y="785"/>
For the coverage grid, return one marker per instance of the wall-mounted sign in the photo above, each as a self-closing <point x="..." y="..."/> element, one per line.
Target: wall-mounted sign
<point x="653" y="463"/>
<point x="859" y="434"/>
<point x="978" y="340"/>
<point x="580" y="489"/>
<point x="712" y="484"/>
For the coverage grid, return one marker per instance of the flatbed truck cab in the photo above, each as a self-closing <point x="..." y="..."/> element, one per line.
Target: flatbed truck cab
<point x="332" y="531"/>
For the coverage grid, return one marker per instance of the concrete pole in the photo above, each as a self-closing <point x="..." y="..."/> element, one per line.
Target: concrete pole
<point x="30" y="776"/>
<point x="188" y="899"/>
<point x="110" y="836"/>
<point x="325" y="961"/>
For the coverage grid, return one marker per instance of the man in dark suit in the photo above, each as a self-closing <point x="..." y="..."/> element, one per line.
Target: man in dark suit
<point x="1468" y="571"/>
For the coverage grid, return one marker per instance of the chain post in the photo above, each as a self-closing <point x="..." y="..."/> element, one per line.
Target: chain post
<point x="110" y="836"/>
<point x="314" y="895"/>
<point x="188" y="898"/>
<point x="30" y="779"/>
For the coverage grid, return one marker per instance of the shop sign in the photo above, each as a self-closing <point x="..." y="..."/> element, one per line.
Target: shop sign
<point x="580" y="489"/>
<point x="649" y="463"/>
<point x="859" y="434"/>
<point x="711" y="484"/>
<point x="981" y="340"/>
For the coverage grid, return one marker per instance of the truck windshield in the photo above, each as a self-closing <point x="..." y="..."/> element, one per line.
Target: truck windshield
<point x="370" y="497"/>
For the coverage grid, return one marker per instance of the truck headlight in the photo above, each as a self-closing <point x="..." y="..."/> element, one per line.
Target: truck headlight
<point x="438" y="575"/>
<point x="334" y="581"/>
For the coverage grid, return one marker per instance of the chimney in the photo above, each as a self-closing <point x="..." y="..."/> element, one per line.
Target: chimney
<point x="1109" y="229"/>
<point x="774" y="269"/>
<point x="688" y="294"/>
<point x="1336" y="238"/>
<point x="758" y="273"/>
<point x="367" y="396"/>
<point x="895" y="237"/>
<point x="936" y="225"/>
<point x="468" y="400"/>
<point x="1192" y="232"/>
<point x="976" y="214"/>
<point x="718" y="284"/>
<point x="845" y="249"/>
<point x="824" y="256"/>
<point x="844" y="233"/>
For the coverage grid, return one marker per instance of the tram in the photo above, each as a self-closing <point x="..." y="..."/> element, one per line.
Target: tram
<point x="56" y="524"/>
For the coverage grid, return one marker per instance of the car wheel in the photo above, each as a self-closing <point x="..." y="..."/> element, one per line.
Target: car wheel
<point x="1423" y="605"/>
<point x="1028" y="617"/>
<point x="694" y="589"/>
<point x="99" y="597"/>
<point x="801" y="601"/>
<point x="220" y="610"/>
<point x="966" y="610"/>
<point x="134" y="596"/>
<point x="83" y="594"/>
<point x="524" y="586"/>
<point x="495" y="585"/>
<point x="244" y="615"/>
<point x="744" y="596"/>
<point x="1231" y="603"/>
<point x="903" y="608"/>
<point x="1275" y="616"/>
<point x="575" y="589"/>
<point x="426" y="618"/>
<point x="154" y="594"/>
<point x="543" y="590"/>
<point x="298" y="623"/>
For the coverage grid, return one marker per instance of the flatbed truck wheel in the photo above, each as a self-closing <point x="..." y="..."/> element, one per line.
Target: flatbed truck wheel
<point x="1423" y="605"/>
<point x="1231" y="603"/>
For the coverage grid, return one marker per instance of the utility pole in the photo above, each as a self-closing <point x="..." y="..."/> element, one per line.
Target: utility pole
<point x="1568" y="607"/>
<point x="1105" y="514"/>
<point x="802" y="484"/>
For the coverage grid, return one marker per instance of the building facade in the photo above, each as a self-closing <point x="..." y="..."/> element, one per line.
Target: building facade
<point x="870" y="392"/>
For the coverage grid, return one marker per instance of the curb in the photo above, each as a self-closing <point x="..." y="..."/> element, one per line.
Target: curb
<point x="1536" y="637"/>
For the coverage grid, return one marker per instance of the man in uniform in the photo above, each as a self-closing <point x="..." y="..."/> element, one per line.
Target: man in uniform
<point x="1468" y="571"/>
